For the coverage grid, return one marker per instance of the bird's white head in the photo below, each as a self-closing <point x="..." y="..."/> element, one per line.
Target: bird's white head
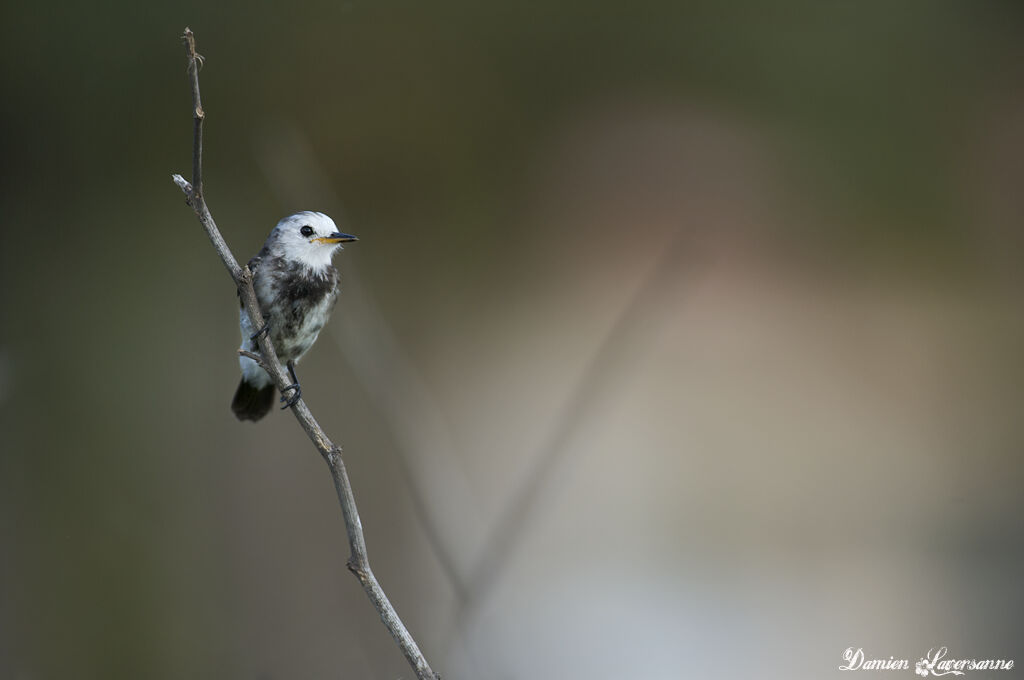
<point x="307" y="238"/>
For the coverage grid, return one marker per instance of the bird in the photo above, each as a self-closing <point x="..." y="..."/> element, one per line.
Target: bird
<point x="297" y="287"/>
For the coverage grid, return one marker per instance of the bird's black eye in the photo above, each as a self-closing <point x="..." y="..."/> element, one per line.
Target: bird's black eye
<point x="306" y="231"/>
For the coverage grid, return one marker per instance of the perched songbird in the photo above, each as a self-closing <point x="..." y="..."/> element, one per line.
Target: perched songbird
<point x="296" y="286"/>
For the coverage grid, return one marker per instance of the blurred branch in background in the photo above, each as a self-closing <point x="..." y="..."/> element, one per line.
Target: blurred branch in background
<point x="637" y="321"/>
<point x="358" y="561"/>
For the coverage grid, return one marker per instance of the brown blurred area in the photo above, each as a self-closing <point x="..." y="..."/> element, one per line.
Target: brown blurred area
<point x="680" y="339"/>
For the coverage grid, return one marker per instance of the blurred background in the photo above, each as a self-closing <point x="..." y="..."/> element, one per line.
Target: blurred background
<point x="680" y="338"/>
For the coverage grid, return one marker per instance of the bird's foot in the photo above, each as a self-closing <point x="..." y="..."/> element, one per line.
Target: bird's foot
<point x="262" y="331"/>
<point x="294" y="398"/>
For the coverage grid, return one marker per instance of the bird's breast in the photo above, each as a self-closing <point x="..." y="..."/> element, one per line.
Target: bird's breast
<point x="297" y="305"/>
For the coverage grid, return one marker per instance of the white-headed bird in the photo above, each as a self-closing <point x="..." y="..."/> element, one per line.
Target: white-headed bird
<point x="296" y="286"/>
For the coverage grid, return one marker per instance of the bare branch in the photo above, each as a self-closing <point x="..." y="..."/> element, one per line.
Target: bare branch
<point x="258" y="358"/>
<point x="182" y="183"/>
<point x="194" y="63"/>
<point x="358" y="562"/>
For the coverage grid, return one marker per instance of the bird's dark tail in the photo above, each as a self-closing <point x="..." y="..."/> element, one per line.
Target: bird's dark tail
<point x="251" y="402"/>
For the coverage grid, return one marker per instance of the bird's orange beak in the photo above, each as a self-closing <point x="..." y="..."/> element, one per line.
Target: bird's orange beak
<point x="336" y="237"/>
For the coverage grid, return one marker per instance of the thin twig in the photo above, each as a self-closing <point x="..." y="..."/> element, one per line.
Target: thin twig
<point x="358" y="562"/>
<point x="258" y="358"/>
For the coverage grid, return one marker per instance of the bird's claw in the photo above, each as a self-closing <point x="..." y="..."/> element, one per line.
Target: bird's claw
<point x="294" y="398"/>
<point x="262" y="331"/>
